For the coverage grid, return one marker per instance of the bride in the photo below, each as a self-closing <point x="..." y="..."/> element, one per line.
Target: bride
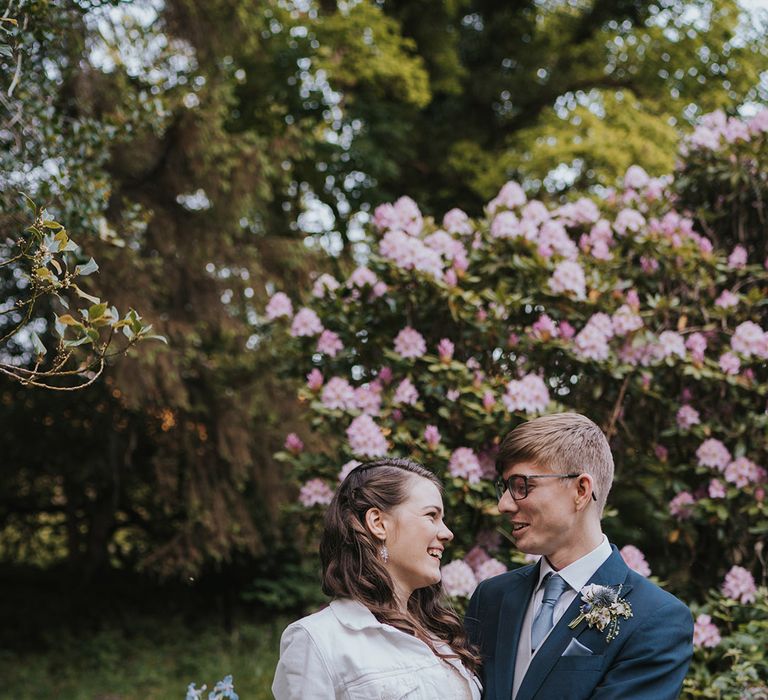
<point x="386" y="633"/>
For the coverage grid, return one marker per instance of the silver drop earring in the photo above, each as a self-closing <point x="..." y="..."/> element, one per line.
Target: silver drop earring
<point x="384" y="553"/>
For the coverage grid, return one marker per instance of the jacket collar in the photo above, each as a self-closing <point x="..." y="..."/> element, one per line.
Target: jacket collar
<point x="353" y="615"/>
<point x="510" y="624"/>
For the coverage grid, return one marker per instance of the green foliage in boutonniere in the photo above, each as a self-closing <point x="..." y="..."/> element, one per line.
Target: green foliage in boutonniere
<point x="602" y="608"/>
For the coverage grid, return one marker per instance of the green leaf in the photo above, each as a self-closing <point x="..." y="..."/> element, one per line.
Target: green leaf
<point x="74" y="343"/>
<point x="89" y="268"/>
<point x="84" y="295"/>
<point x="38" y="344"/>
<point x="96" y="311"/>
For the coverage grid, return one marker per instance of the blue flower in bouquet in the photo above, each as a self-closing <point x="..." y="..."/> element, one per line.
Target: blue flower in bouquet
<point x="223" y="690"/>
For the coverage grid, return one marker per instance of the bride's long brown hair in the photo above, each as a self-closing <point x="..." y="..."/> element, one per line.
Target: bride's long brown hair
<point x="352" y="567"/>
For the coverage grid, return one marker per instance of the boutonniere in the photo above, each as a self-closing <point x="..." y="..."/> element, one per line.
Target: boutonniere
<point x="602" y="607"/>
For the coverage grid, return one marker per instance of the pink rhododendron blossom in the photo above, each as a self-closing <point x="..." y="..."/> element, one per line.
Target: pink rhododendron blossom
<point x="568" y="278"/>
<point x="315" y="493"/>
<point x="315" y="380"/>
<point x="729" y="363"/>
<point x="636" y="178"/>
<point x="739" y="585"/>
<point x="529" y="394"/>
<point x="697" y="345"/>
<point x="368" y="398"/>
<point x="490" y="568"/>
<point x="681" y="505"/>
<point x="738" y="258"/>
<point x="361" y="277"/>
<point x="582" y="211"/>
<point x="464" y="464"/>
<point x="365" y="437"/>
<point x="385" y="375"/>
<point x="505" y="225"/>
<point x="329" y="343"/>
<point x="489" y="401"/>
<point x="279" y="305"/>
<point x="554" y="240"/>
<point x="603" y="323"/>
<point x="661" y="453"/>
<point x="626" y="320"/>
<point x="385" y="217"/>
<point x="633" y="300"/>
<point x="293" y="443"/>
<point x="457" y="221"/>
<point x="759" y="123"/>
<point x="406" y="393"/>
<point x="601" y="231"/>
<point x="712" y="453"/>
<point x="324" y="284"/>
<point x="432" y="436"/>
<point x="535" y="212"/>
<point x="452" y="394"/>
<point x="409" y="253"/>
<point x="671" y="343"/>
<point x="379" y="289"/>
<point x="736" y="130"/>
<point x="726" y="300"/>
<point x="445" y="350"/>
<point x="601" y="251"/>
<point x="408" y="216"/>
<point x="743" y="471"/>
<point x="591" y="342"/>
<point x="628" y="220"/>
<point x="450" y="277"/>
<point x="476" y="556"/>
<point x="447" y="246"/>
<point x="544" y="328"/>
<point x="687" y="416"/>
<point x="566" y="330"/>
<point x="511" y="195"/>
<point x="306" y="323"/>
<point x="347" y="468"/>
<point x="409" y="343"/>
<point x="716" y="489"/>
<point x="705" y="634"/>
<point x="635" y="559"/>
<point x="648" y="265"/>
<point x="749" y="339"/>
<point x="338" y="393"/>
<point x="458" y="579"/>
<point x="487" y="459"/>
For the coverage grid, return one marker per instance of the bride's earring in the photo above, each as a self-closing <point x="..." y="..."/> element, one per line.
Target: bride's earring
<point x="384" y="553"/>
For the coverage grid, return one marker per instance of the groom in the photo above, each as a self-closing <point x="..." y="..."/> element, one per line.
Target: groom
<point x="554" y="476"/>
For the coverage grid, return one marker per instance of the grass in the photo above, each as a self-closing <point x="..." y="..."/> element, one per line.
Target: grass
<point x="152" y="660"/>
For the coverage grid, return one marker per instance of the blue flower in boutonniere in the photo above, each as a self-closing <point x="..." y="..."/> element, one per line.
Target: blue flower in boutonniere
<point x="603" y="606"/>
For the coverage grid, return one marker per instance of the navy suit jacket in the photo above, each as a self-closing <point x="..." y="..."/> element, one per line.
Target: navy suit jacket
<point x="647" y="660"/>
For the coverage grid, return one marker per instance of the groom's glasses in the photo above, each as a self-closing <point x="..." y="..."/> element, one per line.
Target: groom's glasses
<point x="517" y="484"/>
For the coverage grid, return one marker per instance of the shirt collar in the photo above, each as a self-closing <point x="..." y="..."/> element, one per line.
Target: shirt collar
<point x="579" y="572"/>
<point x="353" y="614"/>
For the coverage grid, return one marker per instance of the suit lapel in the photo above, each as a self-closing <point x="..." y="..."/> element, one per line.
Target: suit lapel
<point x="613" y="572"/>
<point x="511" y="616"/>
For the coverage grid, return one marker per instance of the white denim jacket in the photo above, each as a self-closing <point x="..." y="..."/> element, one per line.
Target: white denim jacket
<point x="344" y="652"/>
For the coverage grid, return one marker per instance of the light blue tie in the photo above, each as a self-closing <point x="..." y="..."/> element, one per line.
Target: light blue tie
<point x="554" y="587"/>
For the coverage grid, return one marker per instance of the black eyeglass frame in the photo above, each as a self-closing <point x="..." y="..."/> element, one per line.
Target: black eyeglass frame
<point x="502" y="485"/>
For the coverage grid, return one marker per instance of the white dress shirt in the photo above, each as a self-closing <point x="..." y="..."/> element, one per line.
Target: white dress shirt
<point x="576" y="576"/>
<point x="344" y="653"/>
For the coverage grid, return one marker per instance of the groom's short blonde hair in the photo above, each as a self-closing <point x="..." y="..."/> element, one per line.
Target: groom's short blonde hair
<point x="566" y="443"/>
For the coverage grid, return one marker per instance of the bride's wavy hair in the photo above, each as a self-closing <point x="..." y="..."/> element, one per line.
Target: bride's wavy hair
<point x="353" y="568"/>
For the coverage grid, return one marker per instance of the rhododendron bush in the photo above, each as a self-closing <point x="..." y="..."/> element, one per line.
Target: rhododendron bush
<point x="619" y="306"/>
